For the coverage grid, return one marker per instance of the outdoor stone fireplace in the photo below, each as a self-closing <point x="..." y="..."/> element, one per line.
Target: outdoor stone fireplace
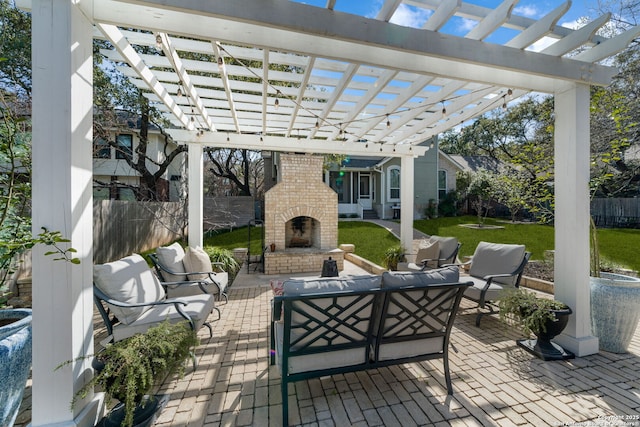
<point x="301" y="218"/>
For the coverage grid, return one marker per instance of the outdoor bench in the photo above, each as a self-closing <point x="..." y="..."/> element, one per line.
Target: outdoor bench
<point x="326" y="326"/>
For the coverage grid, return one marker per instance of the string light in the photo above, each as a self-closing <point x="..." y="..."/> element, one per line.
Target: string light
<point x="510" y="93"/>
<point x="158" y="41"/>
<point x="388" y="122"/>
<point x="504" y="102"/>
<point x="340" y="125"/>
<point x="179" y="93"/>
<point x="220" y="62"/>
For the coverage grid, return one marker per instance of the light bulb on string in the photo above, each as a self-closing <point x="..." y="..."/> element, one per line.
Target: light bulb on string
<point x="179" y="93"/>
<point x="220" y="62"/>
<point x="276" y="104"/>
<point x="504" y="102"/>
<point x="158" y="41"/>
<point x="388" y="122"/>
<point x="510" y="93"/>
<point x="317" y="124"/>
<point x="444" y="110"/>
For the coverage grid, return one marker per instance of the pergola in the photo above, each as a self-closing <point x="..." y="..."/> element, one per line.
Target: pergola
<point x="284" y="76"/>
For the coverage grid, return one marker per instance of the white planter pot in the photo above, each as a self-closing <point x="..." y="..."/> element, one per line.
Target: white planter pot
<point x="615" y="310"/>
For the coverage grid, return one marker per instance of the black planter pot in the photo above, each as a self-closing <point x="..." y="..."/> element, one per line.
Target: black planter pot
<point x="143" y="416"/>
<point x="542" y="347"/>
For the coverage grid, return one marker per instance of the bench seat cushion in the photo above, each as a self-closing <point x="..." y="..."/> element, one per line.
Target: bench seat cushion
<point x="198" y="308"/>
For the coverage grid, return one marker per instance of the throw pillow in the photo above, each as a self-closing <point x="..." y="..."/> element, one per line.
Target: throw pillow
<point x="196" y="260"/>
<point x="429" y="251"/>
<point x="171" y="258"/>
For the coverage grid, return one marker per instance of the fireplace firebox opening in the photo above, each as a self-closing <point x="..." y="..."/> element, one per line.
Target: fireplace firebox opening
<point x="301" y="232"/>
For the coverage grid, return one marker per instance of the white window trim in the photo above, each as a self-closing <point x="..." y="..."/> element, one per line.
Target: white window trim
<point x="389" y="188"/>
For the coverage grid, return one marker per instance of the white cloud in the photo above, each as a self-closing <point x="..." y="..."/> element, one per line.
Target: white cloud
<point x="529" y="11"/>
<point x="410" y="17"/>
<point x="467" y="24"/>
<point x="542" y="44"/>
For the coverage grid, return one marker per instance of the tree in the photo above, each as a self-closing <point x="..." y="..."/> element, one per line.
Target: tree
<point x="480" y="193"/>
<point x="236" y="167"/>
<point x="121" y="106"/>
<point x="509" y="187"/>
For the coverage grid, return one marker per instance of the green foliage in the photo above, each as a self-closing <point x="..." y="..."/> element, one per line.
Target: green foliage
<point x="392" y="256"/>
<point x="225" y="256"/>
<point x="237" y="238"/>
<point x="530" y="312"/>
<point x="448" y="205"/>
<point x="431" y="209"/>
<point x="370" y="240"/>
<point x="134" y="365"/>
<point x="480" y="193"/>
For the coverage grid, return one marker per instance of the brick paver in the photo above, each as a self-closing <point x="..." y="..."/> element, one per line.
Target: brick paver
<point x="495" y="382"/>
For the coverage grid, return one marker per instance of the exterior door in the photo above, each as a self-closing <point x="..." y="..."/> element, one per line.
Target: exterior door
<point x="364" y="190"/>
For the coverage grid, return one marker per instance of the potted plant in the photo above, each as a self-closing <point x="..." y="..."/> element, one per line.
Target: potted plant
<point x="128" y="370"/>
<point x="544" y="317"/>
<point x="392" y="256"/>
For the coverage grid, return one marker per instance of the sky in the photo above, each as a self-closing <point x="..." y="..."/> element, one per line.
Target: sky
<point x="415" y="17"/>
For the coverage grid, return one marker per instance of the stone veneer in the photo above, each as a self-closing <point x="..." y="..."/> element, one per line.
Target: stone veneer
<point x="301" y="193"/>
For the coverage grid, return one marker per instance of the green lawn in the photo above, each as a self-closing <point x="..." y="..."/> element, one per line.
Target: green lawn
<point x="616" y="245"/>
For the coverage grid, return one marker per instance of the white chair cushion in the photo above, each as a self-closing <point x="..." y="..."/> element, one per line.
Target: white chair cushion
<point x="198" y="308"/>
<point x="171" y="257"/>
<point x="196" y="259"/>
<point x="474" y="292"/>
<point x="447" y="246"/>
<point x="128" y="280"/>
<point x="496" y="258"/>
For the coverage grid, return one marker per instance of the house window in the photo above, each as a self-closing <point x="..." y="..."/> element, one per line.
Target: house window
<point x="101" y="149"/>
<point x="124" y="148"/>
<point x="341" y="184"/>
<point x="394" y="183"/>
<point x="442" y="184"/>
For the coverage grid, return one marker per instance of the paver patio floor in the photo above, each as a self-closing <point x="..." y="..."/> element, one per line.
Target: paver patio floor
<point x="495" y="382"/>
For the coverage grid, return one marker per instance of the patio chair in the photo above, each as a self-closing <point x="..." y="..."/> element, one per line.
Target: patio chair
<point x="189" y="272"/>
<point x="435" y="252"/>
<point x="493" y="268"/>
<point x="131" y="299"/>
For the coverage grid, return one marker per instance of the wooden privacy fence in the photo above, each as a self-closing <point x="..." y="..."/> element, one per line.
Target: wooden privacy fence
<point x="613" y="212"/>
<point x="121" y="228"/>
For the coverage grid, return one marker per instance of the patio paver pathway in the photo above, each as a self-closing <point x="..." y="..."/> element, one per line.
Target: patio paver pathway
<point x="495" y="382"/>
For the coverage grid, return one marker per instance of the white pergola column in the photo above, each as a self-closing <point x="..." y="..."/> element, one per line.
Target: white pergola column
<point x="572" y="212"/>
<point x="62" y="201"/>
<point x="406" y="202"/>
<point x="196" y="198"/>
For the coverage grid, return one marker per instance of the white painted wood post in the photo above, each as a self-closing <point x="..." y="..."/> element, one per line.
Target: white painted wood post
<point x="62" y="201"/>
<point x="196" y="198"/>
<point x="572" y="212"/>
<point x="406" y="202"/>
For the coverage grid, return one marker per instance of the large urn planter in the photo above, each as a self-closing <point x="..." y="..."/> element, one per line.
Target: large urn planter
<point x="542" y="347"/>
<point x="615" y="310"/>
<point x="15" y="361"/>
